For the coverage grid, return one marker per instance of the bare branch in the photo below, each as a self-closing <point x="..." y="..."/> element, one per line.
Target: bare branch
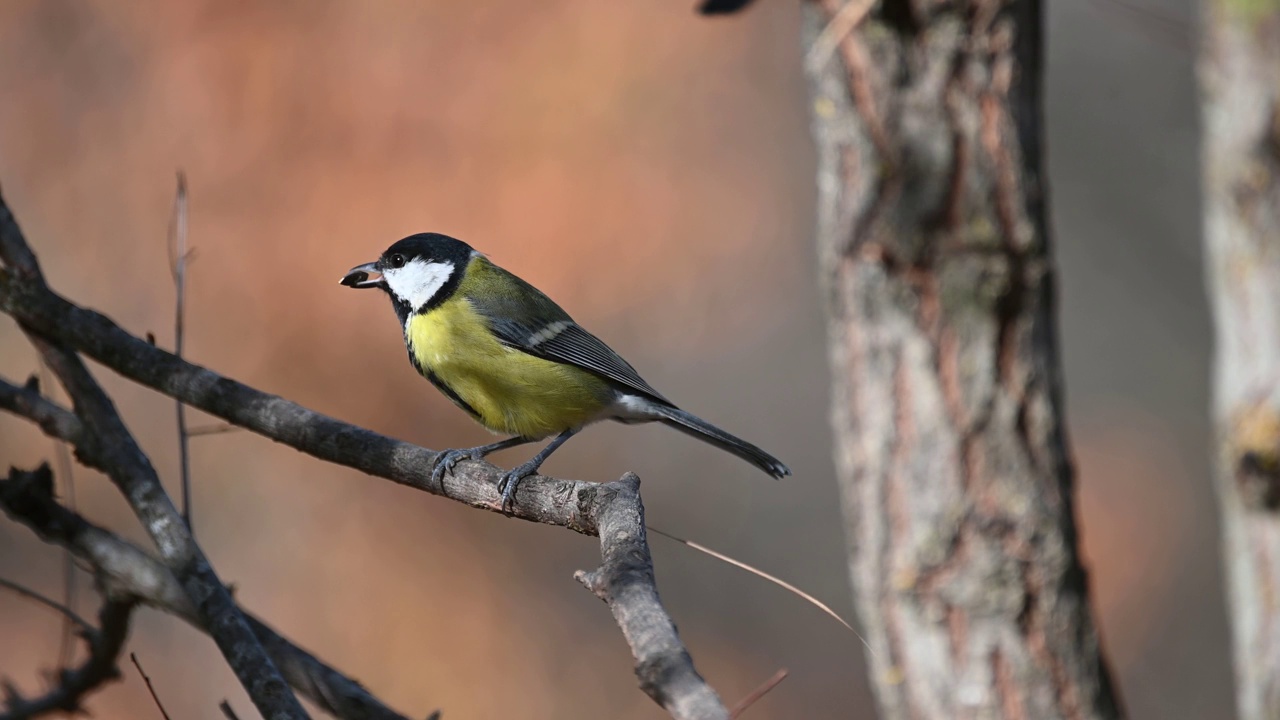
<point x="178" y="264"/>
<point x="539" y="499"/>
<point x="107" y="444"/>
<point x="27" y="402"/>
<point x="755" y="695"/>
<point x="62" y="456"/>
<point x="150" y="688"/>
<point x="123" y="570"/>
<point x="625" y="581"/>
<point x="61" y="608"/>
<point x="665" y="670"/>
<point x="104" y="642"/>
<point x="63" y="427"/>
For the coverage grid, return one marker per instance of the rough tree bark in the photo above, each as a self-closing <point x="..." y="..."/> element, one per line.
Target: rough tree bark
<point x="950" y="446"/>
<point x="1240" y="78"/>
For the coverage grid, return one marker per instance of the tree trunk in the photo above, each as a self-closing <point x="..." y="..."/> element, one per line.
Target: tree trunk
<point x="1240" y="78"/>
<point x="950" y="445"/>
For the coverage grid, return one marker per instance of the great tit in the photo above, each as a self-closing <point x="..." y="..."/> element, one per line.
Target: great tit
<point x="513" y="359"/>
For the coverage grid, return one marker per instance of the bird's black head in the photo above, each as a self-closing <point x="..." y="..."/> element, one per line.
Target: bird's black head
<point x="418" y="272"/>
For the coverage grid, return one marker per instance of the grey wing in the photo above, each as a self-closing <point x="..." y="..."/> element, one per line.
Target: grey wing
<point x="574" y="345"/>
<point x="536" y="325"/>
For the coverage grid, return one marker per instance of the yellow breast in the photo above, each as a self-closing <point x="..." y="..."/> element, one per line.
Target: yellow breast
<point x="508" y="391"/>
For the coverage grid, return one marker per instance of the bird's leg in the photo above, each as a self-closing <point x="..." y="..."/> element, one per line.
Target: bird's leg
<point x="507" y="486"/>
<point x="447" y="459"/>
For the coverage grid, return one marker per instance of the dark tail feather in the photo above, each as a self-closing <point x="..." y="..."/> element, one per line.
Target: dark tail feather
<point x="706" y="432"/>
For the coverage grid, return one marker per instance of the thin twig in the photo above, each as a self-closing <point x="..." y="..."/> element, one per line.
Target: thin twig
<point x="150" y="688"/>
<point x="125" y="570"/>
<point x="177" y="244"/>
<point x="758" y="693"/>
<point x="62" y="457"/>
<point x="67" y="613"/>
<point x="218" y="429"/>
<point x="105" y="643"/>
<point x="26" y="401"/>
<point x="776" y="581"/>
<point x="107" y="444"/>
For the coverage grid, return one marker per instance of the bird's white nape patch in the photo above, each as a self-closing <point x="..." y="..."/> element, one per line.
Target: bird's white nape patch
<point x="418" y="281"/>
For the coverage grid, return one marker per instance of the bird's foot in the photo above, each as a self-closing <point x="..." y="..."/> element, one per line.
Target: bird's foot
<point x="447" y="459"/>
<point x="507" y="485"/>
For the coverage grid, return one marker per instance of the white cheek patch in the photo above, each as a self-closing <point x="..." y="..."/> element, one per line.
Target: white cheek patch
<point x="418" y="281"/>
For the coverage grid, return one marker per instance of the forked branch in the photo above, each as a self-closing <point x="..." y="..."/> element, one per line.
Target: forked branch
<point x="72" y="685"/>
<point x="580" y="506"/>
<point x="105" y="443"/>
<point x="625" y="581"/>
<point x="124" y="570"/>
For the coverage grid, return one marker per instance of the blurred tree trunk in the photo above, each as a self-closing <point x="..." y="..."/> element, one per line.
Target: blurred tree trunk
<point x="950" y="446"/>
<point x="1240" y="78"/>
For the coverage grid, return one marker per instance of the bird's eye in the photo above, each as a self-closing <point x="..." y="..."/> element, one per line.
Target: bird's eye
<point x="396" y="261"/>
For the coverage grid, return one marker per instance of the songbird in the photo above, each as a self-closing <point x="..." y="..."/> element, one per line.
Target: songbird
<point x="513" y="359"/>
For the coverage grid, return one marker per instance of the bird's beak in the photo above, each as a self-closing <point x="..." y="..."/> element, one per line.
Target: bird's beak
<point x="363" y="276"/>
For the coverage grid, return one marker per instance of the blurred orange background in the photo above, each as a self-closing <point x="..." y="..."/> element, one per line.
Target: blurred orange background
<point x="652" y="171"/>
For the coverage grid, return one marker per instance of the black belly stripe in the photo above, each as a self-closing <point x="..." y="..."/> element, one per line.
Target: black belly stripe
<point x="441" y="386"/>
<point x="449" y="393"/>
